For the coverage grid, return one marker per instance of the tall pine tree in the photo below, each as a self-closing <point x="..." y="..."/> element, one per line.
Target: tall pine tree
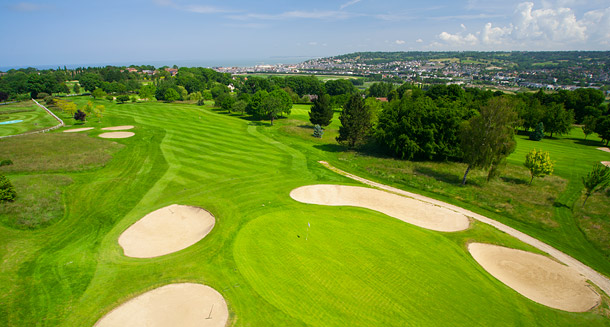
<point x="321" y="112"/>
<point x="356" y="123"/>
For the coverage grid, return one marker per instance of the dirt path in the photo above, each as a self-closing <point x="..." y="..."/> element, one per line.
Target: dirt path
<point x="601" y="281"/>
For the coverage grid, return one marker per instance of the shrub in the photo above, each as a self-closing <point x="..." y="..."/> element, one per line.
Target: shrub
<point x="317" y="131"/>
<point x="7" y="191"/>
<point x="537" y="134"/>
<point x="42" y="95"/>
<point x="122" y="98"/>
<point x="110" y="98"/>
<point x="6" y="162"/>
<point x="200" y="102"/>
<point x="134" y="99"/>
<point x="79" y="115"/>
<point x="49" y="100"/>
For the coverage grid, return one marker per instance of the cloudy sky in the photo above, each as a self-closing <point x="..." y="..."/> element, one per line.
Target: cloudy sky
<point x="135" y="31"/>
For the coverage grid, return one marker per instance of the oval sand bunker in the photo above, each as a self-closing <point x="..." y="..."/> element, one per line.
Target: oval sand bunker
<point x="406" y="209"/>
<point x="116" y="135"/>
<point x="184" y="305"/>
<point x="118" y="128"/>
<point x="536" y="277"/>
<point x="74" y="130"/>
<point x="165" y="231"/>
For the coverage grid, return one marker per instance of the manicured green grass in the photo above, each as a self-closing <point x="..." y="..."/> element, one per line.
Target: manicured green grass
<point x="362" y="268"/>
<point x="35" y="118"/>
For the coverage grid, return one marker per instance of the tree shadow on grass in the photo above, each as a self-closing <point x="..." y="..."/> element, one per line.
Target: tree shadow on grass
<point x="330" y="147"/>
<point x="442" y="176"/>
<point x="580" y="141"/>
<point x="514" y="180"/>
<point x="259" y="123"/>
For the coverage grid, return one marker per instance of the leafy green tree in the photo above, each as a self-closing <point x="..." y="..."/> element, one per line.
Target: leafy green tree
<point x="122" y="99"/>
<point x="488" y="138"/>
<point x="356" y="123"/>
<point x="239" y="106"/>
<point x="602" y="128"/>
<point x="339" y="86"/>
<point x="284" y="100"/>
<point x="596" y="180"/>
<point x="539" y="164"/>
<point x="557" y="119"/>
<point x="7" y="191"/>
<point x="538" y="133"/>
<point x="147" y="92"/>
<point x="226" y="101"/>
<point x="98" y="112"/>
<point x="321" y="113"/>
<point x="76" y="88"/>
<point x="588" y="126"/>
<point x="98" y="93"/>
<point x="255" y="106"/>
<point x="171" y="95"/>
<point x="380" y="90"/>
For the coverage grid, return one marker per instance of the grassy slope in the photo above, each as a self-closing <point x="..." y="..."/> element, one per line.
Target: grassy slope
<point x="32" y="120"/>
<point x="72" y="272"/>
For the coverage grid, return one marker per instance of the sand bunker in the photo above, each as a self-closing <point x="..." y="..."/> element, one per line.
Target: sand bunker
<point x="412" y="211"/>
<point x="78" y="130"/>
<point x="116" y="135"/>
<point x="118" y="128"/>
<point x="165" y="231"/>
<point x="172" y="305"/>
<point x="537" y="277"/>
<point x="606" y="163"/>
<point x="604" y="149"/>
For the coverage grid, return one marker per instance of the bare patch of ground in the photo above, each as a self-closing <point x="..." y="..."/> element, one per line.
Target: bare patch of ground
<point x="604" y="149"/>
<point x="165" y="231"/>
<point x="184" y="305"/>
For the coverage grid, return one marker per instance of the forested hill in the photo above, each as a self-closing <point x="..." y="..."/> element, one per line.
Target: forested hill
<point x="515" y="59"/>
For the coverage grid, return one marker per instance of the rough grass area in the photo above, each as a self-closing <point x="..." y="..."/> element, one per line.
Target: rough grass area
<point x="51" y="152"/>
<point x="34" y="118"/>
<point x="594" y="219"/>
<point x="39" y="201"/>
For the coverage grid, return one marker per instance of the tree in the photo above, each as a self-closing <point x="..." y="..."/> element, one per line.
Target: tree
<point x="147" y="92"/>
<point x="122" y="99"/>
<point x="539" y="164"/>
<point x="602" y="128"/>
<point x="98" y="93"/>
<point x="98" y="112"/>
<point x="79" y="115"/>
<point x="557" y="119"/>
<point x="317" y="131"/>
<point x="321" y="113"/>
<point x="488" y="138"/>
<point x="7" y="191"/>
<point x="588" y="126"/>
<point x="171" y="95"/>
<point x="538" y="133"/>
<point x="284" y="101"/>
<point x="356" y="123"/>
<point x="239" y="106"/>
<point x="596" y="180"/>
<point x="76" y="88"/>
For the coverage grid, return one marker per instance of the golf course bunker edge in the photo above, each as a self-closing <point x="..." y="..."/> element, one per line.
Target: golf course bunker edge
<point x="183" y="304"/>
<point x="118" y="128"/>
<point x="166" y="230"/>
<point x="537" y="277"/>
<point x="409" y="210"/>
<point x="116" y="135"/>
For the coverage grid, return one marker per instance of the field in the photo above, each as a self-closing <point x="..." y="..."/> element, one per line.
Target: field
<point x="356" y="267"/>
<point x="33" y="118"/>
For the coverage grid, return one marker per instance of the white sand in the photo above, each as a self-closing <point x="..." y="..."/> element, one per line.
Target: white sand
<point x="118" y="128"/>
<point x="409" y="210"/>
<point x="604" y="149"/>
<point x="165" y="231"/>
<point x="116" y="135"/>
<point x="536" y="277"/>
<point x="184" y="305"/>
<point x="606" y="163"/>
<point x="74" y="130"/>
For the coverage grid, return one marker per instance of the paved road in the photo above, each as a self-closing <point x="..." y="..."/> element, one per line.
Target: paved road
<point x="601" y="281"/>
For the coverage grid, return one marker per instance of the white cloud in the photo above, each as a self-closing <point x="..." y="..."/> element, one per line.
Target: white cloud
<point x="26" y="6"/>
<point x="550" y="27"/>
<point x="349" y="3"/>
<point x="419" y="41"/>
<point x="399" y="42"/>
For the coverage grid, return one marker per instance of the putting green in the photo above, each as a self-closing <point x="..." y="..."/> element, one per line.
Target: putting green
<point x="356" y="267"/>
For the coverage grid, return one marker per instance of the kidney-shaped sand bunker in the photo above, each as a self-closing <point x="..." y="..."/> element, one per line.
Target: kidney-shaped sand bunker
<point x="165" y="231"/>
<point x="184" y="305"/>
<point x="409" y="210"/>
<point x="536" y="277"/>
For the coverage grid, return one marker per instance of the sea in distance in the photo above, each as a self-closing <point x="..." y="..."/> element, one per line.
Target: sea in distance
<point x="208" y="63"/>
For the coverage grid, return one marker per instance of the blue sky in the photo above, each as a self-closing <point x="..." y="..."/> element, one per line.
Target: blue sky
<point x="88" y="32"/>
